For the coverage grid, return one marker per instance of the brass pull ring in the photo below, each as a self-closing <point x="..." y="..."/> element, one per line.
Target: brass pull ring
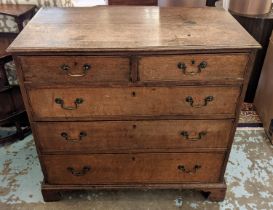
<point x="81" y="172"/>
<point x="183" y="169"/>
<point x="66" y="68"/>
<point x="190" y="100"/>
<point x="76" y="102"/>
<point x="66" y="136"/>
<point x="201" y="67"/>
<point x="200" y="135"/>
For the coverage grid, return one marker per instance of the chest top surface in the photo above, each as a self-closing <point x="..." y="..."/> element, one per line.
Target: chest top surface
<point x="135" y="28"/>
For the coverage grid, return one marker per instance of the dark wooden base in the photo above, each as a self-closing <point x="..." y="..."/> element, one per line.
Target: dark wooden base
<point x="51" y="195"/>
<point x="213" y="192"/>
<point x="215" y="195"/>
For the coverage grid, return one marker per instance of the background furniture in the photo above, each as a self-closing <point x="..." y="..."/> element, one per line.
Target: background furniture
<point x="211" y="3"/>
<point x="8" y="23"/>
<point x="264" y="95"/>
<point x="250" y="7"/>
<point x="12" y="111"/>
<point x="133" y="2"/>
<point x="260" y="27"/>
<point x="150" y="2"/>
<point x="155" y="107"/>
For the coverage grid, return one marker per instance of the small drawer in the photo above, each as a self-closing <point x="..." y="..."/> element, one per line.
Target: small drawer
<point x="69" y="69"/>
<point x="116" y="136"/>
<point x="132" y="101"/>
<point x="195" y="67"/>
<point x="133" y="168"/>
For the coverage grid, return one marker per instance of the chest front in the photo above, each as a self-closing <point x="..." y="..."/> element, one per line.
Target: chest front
<point x="150" y="101"/>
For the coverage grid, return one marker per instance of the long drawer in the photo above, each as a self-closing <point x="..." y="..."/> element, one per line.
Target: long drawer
<point x="116" y="136"/>
<point x="132" y="101"/>
<point x="133" y="168"/>
<point x="75" y="69"/>
<point x="195" y="67"/>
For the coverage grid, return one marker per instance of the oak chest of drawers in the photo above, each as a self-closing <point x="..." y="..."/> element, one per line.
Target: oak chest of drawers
<point x="133" y="97"/>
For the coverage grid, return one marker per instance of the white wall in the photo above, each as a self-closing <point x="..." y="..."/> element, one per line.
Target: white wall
<point x="226" y="3"/>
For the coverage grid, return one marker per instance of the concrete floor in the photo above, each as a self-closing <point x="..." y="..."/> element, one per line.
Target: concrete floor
<point x="249" y="178"/>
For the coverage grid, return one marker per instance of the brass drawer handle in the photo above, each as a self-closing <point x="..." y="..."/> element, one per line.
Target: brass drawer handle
<point x="208" y="99"/>
<point x="201" y="66"/>
<point x="76" y="102"/>
<point x="200" y="135"/>
<point x="183" y="169"/>
<point x="85" y="68"/>
<point x="66" y="136"/>
<point x="81" y="172"/>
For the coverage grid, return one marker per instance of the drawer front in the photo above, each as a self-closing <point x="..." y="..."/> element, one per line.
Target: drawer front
<point x="133" y="101"/>
<point x="133" y="168"/>
<point x="64" y="69"/>
<point x="193" y="67"/>
<point x="115" y="136"/>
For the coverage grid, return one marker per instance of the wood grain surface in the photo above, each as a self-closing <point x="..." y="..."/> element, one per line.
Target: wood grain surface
<point x="121" y="28"/>
<point x="218" y="67"/>
<point x="138" y="116"/>
<point x="134" y="168"/>
<point x="135" y="101"/>
<point x="48" y="69"/>
<point x="124" y="136"/>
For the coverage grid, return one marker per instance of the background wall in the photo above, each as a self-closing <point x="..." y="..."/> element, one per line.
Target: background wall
<point x="226" y="2"/>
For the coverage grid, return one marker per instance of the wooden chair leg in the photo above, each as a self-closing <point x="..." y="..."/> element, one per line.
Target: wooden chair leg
<point x="3" y="76"/>
<point x="19" y="130"/>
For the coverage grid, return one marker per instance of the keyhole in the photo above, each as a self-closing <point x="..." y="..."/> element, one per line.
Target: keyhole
<point x="193" y="62"/>
<point x="134" y="126"/>
<point x="133" y="93"/>
<point x="133" y="158"/>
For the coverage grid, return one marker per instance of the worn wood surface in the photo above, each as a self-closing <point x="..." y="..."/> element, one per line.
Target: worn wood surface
<point x="49" y="69"/>
<point x="52" y="192"/>
<point x="133" y="168"/>
<point x="252" y="56"/>
<point x="140" y="28"/>
<point x="134" y="102"/>
<point x="166" y="68"/>
<point x="124" y="136"/>
<point x="138" y="101"/>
